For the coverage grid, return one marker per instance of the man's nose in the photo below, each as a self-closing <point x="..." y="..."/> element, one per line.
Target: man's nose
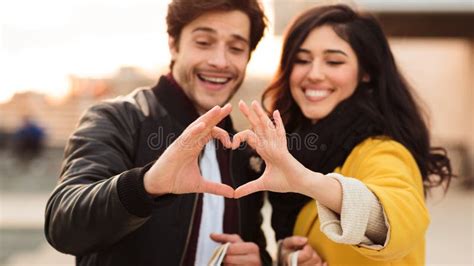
<point x="218" y="58"/>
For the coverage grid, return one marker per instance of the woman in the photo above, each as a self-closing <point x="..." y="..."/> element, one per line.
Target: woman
<point x="362" y="150"/>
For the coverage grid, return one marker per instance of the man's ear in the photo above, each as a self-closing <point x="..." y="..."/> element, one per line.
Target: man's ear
<point x="173" y="46"/>
<point x="365" y="78"/>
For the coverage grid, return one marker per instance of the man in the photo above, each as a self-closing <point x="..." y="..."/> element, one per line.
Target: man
<point x="138" y="171"/>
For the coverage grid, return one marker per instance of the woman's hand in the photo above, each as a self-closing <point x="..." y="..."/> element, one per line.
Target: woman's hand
<point x="269" y="140"/>
<point x="306" y="254"/>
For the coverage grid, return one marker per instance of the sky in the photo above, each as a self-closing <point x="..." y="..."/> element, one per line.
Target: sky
<point x="43" y="42"/>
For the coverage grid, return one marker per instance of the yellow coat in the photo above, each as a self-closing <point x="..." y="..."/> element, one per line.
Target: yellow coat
<point x="389" y="170"/>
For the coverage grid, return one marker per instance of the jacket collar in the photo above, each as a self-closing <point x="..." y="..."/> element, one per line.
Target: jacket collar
<point x="172" y="97"/>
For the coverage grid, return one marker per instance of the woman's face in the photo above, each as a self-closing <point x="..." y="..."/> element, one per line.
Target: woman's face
<point x="325" y="72"/>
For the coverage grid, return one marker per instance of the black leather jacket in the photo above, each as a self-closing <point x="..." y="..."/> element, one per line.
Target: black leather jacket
<point x="100" y="211"/>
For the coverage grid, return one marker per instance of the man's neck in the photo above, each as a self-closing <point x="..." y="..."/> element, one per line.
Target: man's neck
<point x="200" y="110"/>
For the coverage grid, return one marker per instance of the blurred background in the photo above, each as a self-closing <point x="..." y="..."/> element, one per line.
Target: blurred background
<point x="59" y="57"/>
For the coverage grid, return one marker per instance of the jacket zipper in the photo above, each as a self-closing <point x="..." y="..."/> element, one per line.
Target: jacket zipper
<point x="196" y="196"/>
<point x="238" y="201"/>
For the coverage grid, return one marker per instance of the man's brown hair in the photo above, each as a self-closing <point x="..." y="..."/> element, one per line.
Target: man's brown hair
<point x="182" y="12"/>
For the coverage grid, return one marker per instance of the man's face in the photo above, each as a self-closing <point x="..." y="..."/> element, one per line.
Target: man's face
<point x="211" y="56"/>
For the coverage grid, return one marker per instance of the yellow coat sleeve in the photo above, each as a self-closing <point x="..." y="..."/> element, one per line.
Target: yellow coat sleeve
<point x="391" y="173"/>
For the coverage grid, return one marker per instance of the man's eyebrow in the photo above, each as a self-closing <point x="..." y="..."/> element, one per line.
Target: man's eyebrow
<point x="213" y="31"/>
<point x="206" y="29"/>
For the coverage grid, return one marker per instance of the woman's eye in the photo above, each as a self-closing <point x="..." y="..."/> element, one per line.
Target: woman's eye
<point x="335" y="63"/>
<point x="302" y="61"/>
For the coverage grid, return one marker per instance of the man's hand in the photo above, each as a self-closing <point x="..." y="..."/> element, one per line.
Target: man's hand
<point x="177" y="170"/>
<point x="306" y="254"/>
<point x="239" y="252"/>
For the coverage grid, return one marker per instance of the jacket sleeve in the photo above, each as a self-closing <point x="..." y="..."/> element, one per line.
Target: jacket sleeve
<point x="391" y="173"/>
<point x="361" y="220"/>
<point x="100" y="198"/>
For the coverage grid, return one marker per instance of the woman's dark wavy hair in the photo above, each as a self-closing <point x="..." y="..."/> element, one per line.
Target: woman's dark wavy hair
<point x="390" y="103"/>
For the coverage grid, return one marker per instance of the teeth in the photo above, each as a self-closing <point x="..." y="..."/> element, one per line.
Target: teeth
<point x="317" y="93"/>
<point x="214" y="79"/>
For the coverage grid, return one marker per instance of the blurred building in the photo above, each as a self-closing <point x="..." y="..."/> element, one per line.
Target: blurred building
<point x="60" y="118"/>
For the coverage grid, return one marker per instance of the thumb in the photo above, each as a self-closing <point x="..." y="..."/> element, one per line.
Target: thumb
<point x="294" y="242"/>
<point x="217" y="189"/>
<point x="249" y="188"/>
<point x="225" y="238"/>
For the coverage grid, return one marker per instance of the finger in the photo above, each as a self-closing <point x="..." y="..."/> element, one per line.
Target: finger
<point x="249" y="188"/>
<point x="196" y="129"/>
<point x="248" y="259"/>
<point x="314" y="261"/>
<point x="189" y="139"/>
<point x="308" y="254"/>
<point x="217" y="189"/>
<point x="305" y="254"/>
<point x="214" y="116"/>
<point x="242" y="248"/>
<point x="279" y="123"/>
<point x="222" y="135"/>
<point x="311" y="262"/>
<point x="225" y="111"/>
<point x="317" y="259"/>
<point x="206" y="122"/>
<point x="226" y="238"/>
<point x="245" y="136"/>
<point x="265" y="122"/>
<point x="294" y="242"/>
<point x="206" y="117"/>
<point x="237" y="139"/>
<point x="251" y="117"/>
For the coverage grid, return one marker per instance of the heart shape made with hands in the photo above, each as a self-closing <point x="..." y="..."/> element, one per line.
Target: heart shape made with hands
<point x="177" y="170"/>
